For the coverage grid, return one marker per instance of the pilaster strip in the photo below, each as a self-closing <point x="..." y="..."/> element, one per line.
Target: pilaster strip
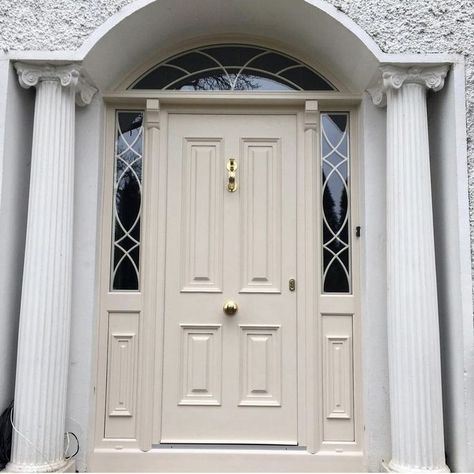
<point x="153" y="211"/>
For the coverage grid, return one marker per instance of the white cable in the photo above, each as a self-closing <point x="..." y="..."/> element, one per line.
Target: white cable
<point x="67" y="446"/>
<point x="26" y="439"/>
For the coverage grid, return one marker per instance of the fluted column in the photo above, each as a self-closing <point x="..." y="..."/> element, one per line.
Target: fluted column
<point x="43" y="344"/>
<point x="412" y="306"/>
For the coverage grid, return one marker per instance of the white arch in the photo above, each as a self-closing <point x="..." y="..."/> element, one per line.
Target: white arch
<point x="313" y="28"/>
<point x="137" y="5"/>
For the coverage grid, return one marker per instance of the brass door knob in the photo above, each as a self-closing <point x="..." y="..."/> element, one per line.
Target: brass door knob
<point x="230" y="308"/>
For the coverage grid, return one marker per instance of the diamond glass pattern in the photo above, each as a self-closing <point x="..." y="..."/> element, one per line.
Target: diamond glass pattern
<point x="335" y="203"/>
<point x="127" y="201"/>
<point x="232" y="67"/>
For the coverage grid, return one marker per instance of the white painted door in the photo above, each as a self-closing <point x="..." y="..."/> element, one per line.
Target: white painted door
<point x="230" y="379"/>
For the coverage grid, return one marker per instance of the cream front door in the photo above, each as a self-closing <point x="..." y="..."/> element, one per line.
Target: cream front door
<point x="230" y="378"/>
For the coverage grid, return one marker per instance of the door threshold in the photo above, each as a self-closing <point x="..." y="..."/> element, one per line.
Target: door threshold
<point x="234" y="446"/>
<point x="224" y="460"/>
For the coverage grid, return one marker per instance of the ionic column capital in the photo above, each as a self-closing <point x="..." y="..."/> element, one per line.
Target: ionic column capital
<point x="30" y="75"/>
<point x="394" y="77"/>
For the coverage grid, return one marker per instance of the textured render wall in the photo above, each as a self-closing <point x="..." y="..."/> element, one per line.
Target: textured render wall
<point x="410" y="26"/>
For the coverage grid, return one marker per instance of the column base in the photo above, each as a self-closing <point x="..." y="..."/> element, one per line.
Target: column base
<point x="65" y="465"/>
<point x="392" y="467"/>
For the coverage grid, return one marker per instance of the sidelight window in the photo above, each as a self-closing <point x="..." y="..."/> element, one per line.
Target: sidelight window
<point x="127" y="201"/>
<point x="335" y="167"/>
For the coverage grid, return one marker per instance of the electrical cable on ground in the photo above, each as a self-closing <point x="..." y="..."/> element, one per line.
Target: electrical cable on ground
<point x="7" y="427"/>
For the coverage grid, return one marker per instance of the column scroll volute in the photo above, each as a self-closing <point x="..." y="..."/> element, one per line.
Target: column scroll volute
<point x="394" y="77"/>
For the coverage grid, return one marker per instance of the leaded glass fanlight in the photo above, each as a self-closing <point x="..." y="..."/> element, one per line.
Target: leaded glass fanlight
<point x="232" y="68"/>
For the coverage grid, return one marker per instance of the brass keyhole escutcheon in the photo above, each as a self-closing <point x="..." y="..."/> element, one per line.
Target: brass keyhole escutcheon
<point x="231" y="178"/>
<point x="230" y="308"/>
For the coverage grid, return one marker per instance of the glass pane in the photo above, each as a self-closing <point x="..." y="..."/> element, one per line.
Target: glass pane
<point x="263" y="81"/>
<point x="127" y="201"/>
<point x="193" y="62"/>
<point x="272" y="62"/>
<point x="233" y="55"/>
<point x="215" y="80"/>
<point x="306" y="79"/>
<point x="232" y="67"/>
<point x="335" y="202"/>
<point x="159" y="78"/>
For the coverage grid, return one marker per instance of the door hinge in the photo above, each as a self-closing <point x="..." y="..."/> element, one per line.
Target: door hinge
<point x="292" y="284"/>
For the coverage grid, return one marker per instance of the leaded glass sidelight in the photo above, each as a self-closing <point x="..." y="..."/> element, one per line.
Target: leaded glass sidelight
<point x="232" y="67"/>
<point x="335" y="164"/>
<point x="127" y="202"/>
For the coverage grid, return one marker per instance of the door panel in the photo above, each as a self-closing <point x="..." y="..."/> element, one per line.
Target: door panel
<point x="230" y="379"/>
<point x="202" y="196"/>
<point x="261" y="216"/>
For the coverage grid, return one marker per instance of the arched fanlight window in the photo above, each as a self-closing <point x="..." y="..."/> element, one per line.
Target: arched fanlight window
<point x="232" y="67"/>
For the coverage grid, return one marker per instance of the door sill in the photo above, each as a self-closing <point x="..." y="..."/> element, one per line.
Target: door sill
<point x="233" y="446"/>
<point x="224" y="460"/>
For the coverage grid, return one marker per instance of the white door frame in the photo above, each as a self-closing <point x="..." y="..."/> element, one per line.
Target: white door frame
<point x="127" y="454"/>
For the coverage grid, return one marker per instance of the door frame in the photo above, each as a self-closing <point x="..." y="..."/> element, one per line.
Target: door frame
<point x="147" y="303"/>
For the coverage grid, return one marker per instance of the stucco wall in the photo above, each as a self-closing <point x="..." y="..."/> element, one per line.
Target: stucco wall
<point x="413" y="26"/>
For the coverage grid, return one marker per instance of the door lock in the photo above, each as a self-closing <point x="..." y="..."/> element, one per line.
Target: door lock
<point x="292" y="284"/>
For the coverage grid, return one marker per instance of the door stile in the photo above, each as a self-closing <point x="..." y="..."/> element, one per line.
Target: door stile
<point x="100" y="388"/>
<point x="161" y="150"/>
<point x="311" y="262"/>
<point x="301" y="284"/>
<point x="356" y="203"/>
<point x="151" y="245"/>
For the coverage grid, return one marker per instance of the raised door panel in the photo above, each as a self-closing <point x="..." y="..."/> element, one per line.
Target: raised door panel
<point x="202" y="194"/>
<point x="260" y="370"/>
<point x="338" y="396"/>
<point x="261" y="216"/>
<point x="200" y="365"/>
<point x="122" y="366"/>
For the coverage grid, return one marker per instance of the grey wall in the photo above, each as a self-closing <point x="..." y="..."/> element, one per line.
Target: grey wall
<point x="87" y="179"/>
<point x="450" y="208"/>
<point x="374" y="303"/>
<point x="16" y="123"/>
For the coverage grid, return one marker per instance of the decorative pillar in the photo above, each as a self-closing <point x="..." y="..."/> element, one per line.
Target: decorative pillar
<point x="412" y="306"/>
<point x="43" y="341"/>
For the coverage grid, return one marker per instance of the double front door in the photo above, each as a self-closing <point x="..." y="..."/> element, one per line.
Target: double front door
<point x="230" y="339"/>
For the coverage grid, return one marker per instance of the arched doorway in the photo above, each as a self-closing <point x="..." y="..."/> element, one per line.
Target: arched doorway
<point x="229" y="312"/>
